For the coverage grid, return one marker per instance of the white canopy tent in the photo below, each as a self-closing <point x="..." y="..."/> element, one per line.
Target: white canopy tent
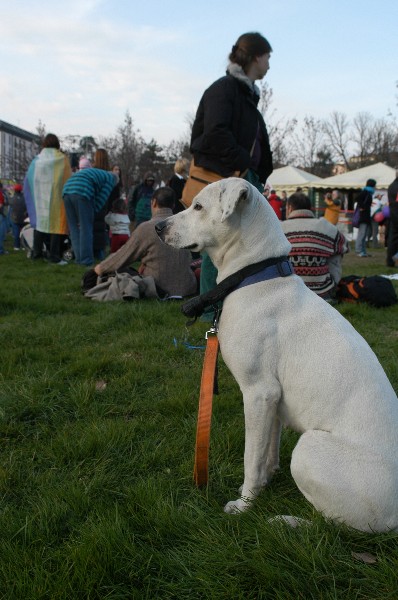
<point x="356" y="180"/>
<point x="288" y="179"/>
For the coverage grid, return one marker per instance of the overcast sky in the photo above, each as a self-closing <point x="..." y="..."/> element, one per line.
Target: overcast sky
<point x="78" y="66"/>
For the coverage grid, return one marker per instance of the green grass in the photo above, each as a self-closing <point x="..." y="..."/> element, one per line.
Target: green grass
<point x="98" y="414"/>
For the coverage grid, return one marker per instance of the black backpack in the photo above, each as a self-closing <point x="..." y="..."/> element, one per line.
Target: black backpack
<point x="375" y="290"/>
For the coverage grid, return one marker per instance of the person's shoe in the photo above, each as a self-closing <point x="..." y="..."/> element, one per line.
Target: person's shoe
<point x="61" y="263"/>
<point x="364" y="255"/>
<point x="17" y="249"/>
<point x="4" y="252"/>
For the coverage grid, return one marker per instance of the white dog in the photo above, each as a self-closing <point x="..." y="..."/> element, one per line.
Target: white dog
<point x="298" y="363"/>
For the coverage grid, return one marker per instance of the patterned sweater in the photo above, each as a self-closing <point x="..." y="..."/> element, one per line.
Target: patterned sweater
<point x="317" y="250"/>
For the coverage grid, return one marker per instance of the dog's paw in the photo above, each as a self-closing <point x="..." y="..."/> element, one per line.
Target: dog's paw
<point x="236" y="506"/>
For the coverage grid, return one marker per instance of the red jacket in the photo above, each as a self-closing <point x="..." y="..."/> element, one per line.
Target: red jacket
<point x="276" y="204"/>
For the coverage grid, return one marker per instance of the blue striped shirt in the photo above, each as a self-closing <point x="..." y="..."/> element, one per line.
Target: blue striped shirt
<point x="94" y="184"/>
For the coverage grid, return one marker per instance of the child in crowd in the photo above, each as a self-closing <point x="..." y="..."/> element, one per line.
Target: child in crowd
<point x="118" y="222"/>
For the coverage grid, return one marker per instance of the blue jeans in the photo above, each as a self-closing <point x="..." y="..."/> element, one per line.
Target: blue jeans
<point x="3" y="232"/>
<point x="360" y="242"/>
<point x="16" y="230"/>
<point x="80" y="216"/>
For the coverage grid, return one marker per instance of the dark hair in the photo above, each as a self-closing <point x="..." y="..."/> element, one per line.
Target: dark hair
<point x="101" y="159"/>
<point x="51" y="141"/>
<point x="247" y="48"/>
<point x="119" y="206"/>
<point x="299" y="201"/>
<point x="371" y="183"/>
<point x="165" y="197"/>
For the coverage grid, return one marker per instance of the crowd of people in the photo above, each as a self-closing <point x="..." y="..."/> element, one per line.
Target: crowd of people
<point x="110" y="227"/>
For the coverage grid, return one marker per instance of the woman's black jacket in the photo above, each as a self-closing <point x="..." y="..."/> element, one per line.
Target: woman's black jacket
<point x="225" y="127"/>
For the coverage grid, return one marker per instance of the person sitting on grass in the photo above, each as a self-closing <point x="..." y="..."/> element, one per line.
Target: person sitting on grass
<point x="170" y="267"/>
<point x="317" y="247"/>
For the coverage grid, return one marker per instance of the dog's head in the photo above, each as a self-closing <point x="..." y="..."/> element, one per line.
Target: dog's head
<point x="229" y="217"/>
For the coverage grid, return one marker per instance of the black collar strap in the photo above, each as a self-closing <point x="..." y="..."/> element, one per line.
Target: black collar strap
<point x="266" y="269"/>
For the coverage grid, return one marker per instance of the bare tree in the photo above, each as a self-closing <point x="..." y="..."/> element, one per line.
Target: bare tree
<point x="309" y="143"/>
<point x="280" y="131"/>
<point x="362" y="134"/>
<point x="337" y="132"/>
<point x="125" y="150"/>
<point x="384" y="138"/>
<point x="88" y="146"/>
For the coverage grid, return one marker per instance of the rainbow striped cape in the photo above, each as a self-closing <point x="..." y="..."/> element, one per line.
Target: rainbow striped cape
<point x="43" y="185"/>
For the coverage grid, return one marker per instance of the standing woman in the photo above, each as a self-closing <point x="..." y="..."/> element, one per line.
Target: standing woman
<point x="229" y="133"/>
<point x="43" y="184"/>
<point x="85" y="195"/>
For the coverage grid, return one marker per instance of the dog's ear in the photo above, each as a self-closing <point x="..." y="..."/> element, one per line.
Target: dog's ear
<point x="230" y="198"/>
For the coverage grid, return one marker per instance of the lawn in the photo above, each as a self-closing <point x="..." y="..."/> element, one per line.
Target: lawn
<point x="98" y="406"/>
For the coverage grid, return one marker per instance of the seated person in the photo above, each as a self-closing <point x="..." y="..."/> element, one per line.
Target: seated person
<point x="317" y="247"/>
<point x="170" y="267"/>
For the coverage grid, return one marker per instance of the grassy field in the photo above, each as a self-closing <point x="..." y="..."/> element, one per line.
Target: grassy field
<point x="98" y="406"/>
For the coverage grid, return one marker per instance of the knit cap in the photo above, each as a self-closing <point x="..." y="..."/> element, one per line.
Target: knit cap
<point x="84" y="163"/>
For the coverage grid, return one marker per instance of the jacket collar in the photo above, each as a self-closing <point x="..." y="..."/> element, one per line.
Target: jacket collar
<point x="301" y="214"/>
<point x="236" y="71"/>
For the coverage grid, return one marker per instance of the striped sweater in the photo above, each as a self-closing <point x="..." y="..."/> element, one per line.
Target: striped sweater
<point x="317" y="250"/>
<point x="93" y="184"/>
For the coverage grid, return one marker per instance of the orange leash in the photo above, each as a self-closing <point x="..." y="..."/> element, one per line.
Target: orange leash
<point x="201" y="467"/>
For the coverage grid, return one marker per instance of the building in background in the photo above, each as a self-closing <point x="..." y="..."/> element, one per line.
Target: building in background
<point x="17" y="149"/>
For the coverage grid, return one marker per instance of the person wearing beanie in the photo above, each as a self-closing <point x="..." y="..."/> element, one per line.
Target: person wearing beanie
<point x="139" y="208"/>
<point x="364" y="202"/>
<point x="84" y="163"/>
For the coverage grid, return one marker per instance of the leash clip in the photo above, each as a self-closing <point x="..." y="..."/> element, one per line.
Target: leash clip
<point x="214" y="328"/>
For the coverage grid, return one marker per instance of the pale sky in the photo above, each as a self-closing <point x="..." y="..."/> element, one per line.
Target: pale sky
<point x="79" y="65"/>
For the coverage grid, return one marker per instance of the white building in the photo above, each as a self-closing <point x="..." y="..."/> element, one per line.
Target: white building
<point x="17" y="149"/>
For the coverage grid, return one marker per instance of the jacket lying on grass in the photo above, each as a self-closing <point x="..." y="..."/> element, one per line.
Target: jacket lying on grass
<point x="123" y="286"/>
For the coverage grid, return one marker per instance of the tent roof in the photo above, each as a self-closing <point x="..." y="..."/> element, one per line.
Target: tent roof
<point x="291" y="176"/>
<point x="383" y="175"/>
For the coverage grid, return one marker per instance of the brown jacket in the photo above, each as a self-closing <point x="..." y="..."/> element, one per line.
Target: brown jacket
<point x="169" y="266"/>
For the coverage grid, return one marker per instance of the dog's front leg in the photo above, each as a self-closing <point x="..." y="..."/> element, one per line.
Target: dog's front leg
<point x="262" y="430"/>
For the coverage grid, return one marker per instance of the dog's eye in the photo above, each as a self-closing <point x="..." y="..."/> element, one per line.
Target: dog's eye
<point x="197" y="206"/>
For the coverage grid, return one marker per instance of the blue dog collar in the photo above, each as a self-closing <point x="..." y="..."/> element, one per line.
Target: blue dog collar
<point x="281" y="269"/>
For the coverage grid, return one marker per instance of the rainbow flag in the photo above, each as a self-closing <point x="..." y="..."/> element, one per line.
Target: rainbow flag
<point x="43" y="185"/>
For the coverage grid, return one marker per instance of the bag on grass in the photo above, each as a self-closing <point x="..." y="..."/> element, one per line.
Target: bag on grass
<point x="375" y="290"/>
